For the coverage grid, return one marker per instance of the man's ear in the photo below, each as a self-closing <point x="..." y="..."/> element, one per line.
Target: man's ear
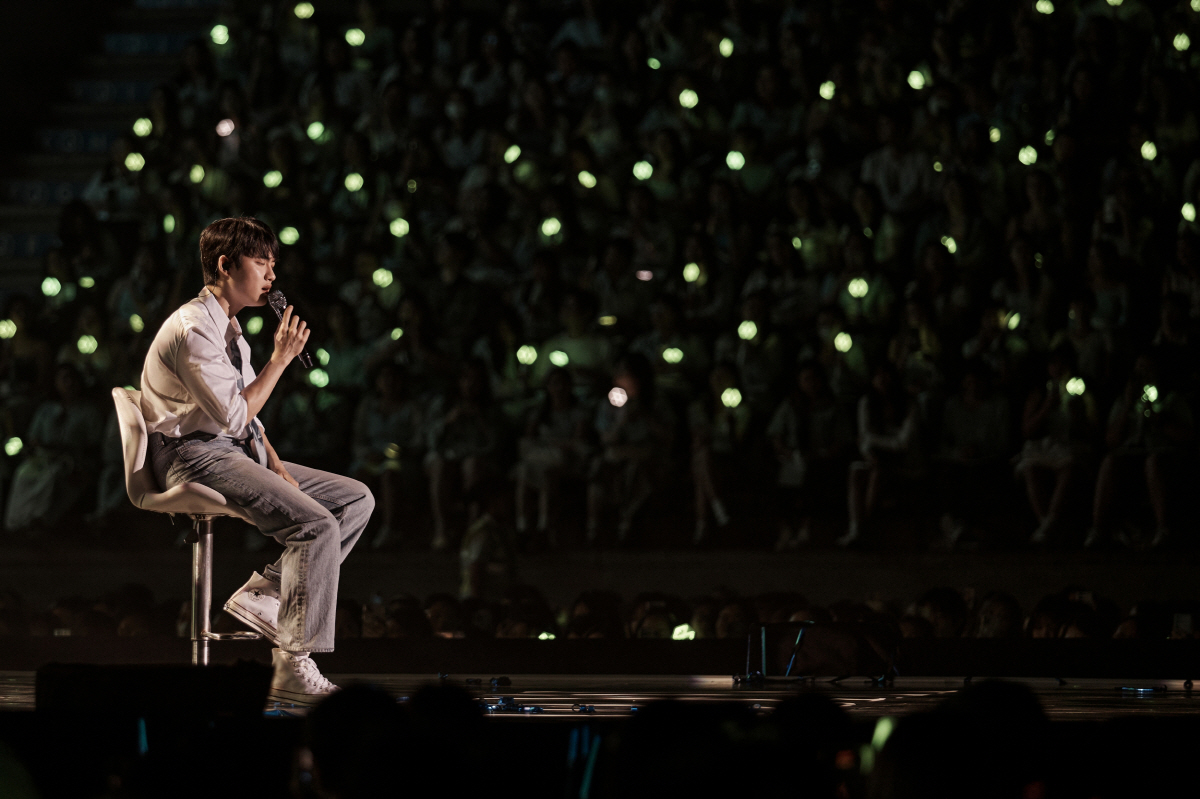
<point x="223" y="265"/>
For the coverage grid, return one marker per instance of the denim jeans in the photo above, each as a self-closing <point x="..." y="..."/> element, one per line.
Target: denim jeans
<point x="317" y="524"/>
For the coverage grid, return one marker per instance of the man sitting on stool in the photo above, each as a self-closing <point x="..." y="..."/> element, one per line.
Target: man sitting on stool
<point x="201" y="397"/>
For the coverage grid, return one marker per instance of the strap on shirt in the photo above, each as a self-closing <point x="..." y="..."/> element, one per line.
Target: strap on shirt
<point x="235" y="356"/>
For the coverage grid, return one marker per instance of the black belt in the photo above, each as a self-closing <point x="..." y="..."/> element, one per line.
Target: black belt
<point x="160" y="440"/>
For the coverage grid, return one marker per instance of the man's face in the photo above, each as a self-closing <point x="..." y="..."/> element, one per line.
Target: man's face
<point x="250" y="282"/>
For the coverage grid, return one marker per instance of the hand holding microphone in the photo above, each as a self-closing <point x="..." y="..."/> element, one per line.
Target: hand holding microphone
<point x="292" y="334"/>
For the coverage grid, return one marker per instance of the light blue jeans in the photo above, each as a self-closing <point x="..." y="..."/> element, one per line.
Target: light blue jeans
<point x="317" y="524"/>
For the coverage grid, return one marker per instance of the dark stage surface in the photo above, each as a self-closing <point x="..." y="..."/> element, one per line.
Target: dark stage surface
<point x="549" y="697"/>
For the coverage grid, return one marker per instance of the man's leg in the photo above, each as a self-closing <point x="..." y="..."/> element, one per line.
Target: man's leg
<point x="349" y="503"/>
<point x="316" y="538"/>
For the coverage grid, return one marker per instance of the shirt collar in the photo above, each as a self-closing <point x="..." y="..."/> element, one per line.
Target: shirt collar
<point x="228" y="325"/>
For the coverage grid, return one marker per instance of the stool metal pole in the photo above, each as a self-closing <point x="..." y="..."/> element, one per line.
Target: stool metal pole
<point x="201" y="589"/>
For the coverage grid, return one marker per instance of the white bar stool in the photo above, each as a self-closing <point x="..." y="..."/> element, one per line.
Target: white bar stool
<point x="200" y="503"/>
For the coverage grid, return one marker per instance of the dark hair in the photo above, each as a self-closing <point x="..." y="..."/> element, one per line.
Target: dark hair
<point x="235" y="238"/>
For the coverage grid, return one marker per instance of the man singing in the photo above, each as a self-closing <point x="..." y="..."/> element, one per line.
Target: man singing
<point x="201" y="398"/>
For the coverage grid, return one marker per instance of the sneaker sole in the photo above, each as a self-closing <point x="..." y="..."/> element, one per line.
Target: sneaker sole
<point x="291" y="698"/>
<point x="252" y="621"/>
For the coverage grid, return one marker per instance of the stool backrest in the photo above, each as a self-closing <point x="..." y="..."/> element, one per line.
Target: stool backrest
<point x="140" y="482"/>
<point x="139" y="475"/>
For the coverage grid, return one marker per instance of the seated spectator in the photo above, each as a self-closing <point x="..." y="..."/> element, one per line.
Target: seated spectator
<point x="812" y="440"/>
<point x="1058" y="425"/>
<point x="719" y="423"/>
<point x="464" y="439"/>
<point x="889" y="441"/>
<point x="635" y="428"/>
<point x="388" y="446"/>
<point x="1150" y="429"/>
<point x="587" y="354"/>
<point x="973" y="453"/>
<point x="63" y="441"/>
<point x="553" y="450"/>
<point x="680" y="359"/>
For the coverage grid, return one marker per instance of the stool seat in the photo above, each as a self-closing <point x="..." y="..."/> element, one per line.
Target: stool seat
<point x="199" y="502"/>
<point x="140" y="483"/>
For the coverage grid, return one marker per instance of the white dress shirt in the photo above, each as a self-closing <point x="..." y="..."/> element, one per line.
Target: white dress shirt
<point x="189" y="383"/>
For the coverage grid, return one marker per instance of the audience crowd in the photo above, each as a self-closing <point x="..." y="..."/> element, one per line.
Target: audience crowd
<point x="521" y="611"/>
<point x="838" y="256"/>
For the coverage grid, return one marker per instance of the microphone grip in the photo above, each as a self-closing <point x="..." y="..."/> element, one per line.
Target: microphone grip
<point x="304" y="357"/>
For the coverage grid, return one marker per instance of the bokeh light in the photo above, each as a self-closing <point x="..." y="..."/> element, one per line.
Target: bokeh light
<point x="527" y="354"/>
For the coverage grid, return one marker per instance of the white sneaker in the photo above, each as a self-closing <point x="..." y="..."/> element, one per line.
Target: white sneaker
<point x="297" y="680"/>
<point x="256" y="604"/>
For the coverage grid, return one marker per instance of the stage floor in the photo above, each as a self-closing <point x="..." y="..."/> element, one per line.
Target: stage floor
<point x="548" y="697"/>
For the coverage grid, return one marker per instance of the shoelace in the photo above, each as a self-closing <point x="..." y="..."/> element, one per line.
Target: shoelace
<point x="307" y="671"/>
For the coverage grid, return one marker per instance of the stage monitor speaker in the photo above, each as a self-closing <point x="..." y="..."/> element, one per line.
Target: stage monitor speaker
<point x="154" y="690"/>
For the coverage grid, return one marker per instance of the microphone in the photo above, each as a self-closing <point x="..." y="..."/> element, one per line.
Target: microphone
<point x="279" y="304"/>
